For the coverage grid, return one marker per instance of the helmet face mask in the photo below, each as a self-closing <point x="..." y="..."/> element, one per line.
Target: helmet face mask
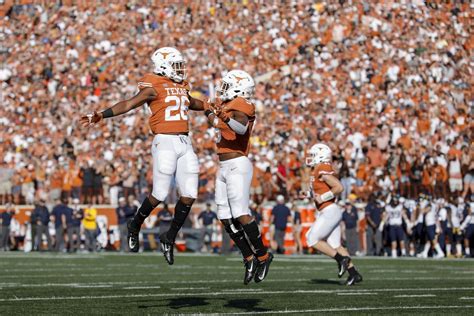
<point x="180" y="69"/>
<point x="170" y="63"/>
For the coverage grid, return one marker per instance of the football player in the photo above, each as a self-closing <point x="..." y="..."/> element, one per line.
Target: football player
<point x="396" y="214"/>
<point x="325" y="232"/>
<point x="167" y="94"/>
<point x="432" y="229"/>
<point x="233" y="117"/>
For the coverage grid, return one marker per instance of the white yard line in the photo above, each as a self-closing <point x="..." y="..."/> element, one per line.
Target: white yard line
<point x="348" y="309"/>
<point x="141" y="287"/>
<point x="415" y="295"/>
<point x="189" y="288"/>
<point x="364" y="293"/>
<point x="467" y="298"/>
<point x="230" y="292"/>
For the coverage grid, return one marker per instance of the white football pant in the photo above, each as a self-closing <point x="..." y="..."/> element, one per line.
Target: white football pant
<point x="233" y="188"/>
<point x="326" y="227"/>
<point x="173" y="155"/>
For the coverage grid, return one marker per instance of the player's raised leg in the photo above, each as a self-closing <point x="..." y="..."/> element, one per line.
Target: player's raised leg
<point x="238" y="176"/>
<point x="234" y="228"/>
<point x="164" y="167"/>
<point x="187" y="174"/>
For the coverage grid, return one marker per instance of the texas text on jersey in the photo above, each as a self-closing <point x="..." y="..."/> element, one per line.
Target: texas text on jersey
<point x="318" y="185"/>
<point x="229" y="141"/>
<point x="170" y="107"/>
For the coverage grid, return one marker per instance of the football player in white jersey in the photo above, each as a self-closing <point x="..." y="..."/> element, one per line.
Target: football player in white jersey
<point x="395" y="214"/>
<point x="432" y="229"/>
<point x="468" y="227"/>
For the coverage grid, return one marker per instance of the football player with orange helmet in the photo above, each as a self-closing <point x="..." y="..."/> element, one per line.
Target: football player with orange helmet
<point x="166" y="92"/>
<point x="325" y="233"/>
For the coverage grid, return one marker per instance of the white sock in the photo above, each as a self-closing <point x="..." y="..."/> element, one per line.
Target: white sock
<point x="394" y="253"/>
<point x="468" y="251"/>
<point x="439" y="250"/>
<point x="458" y="249"/>
<point x="427" y="249"/>
<point x="412" y="252"/>
<point x="404" y="252"/>
<point x="448" y="249"/>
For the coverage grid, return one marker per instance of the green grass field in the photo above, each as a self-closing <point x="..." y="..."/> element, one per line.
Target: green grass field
<point x="144" y="284"/>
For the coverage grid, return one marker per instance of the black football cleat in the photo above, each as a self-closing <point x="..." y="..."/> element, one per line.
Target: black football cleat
<point x="167" y="248"/>
<point x="250" y="268"/>
<point x="133" y="237"/>
<point x="353" y="279"/>
<point x="343" y="265"/>
<point x="262" y="268"/>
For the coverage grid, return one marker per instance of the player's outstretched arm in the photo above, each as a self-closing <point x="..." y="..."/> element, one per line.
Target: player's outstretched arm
<point x="144" y="96"/>
<point x="196" y="104"/>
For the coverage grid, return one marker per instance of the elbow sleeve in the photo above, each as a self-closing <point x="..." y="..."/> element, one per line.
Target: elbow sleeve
<point x="237" y="127"/>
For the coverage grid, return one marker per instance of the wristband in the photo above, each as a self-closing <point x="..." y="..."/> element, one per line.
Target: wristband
<point x="327" y="196"/>
<point x="107" y="113"/>
<point x="208" y="112"/>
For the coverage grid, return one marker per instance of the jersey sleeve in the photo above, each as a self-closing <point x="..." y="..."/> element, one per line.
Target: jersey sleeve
<point x="244" y="106"/>
<point x="145" y="82"/>
<point x="325" y="168"/>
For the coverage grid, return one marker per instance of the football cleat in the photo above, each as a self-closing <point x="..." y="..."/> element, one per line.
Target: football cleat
<point x="167" y="248"/>
<point x="250" y="268"/>
<point x="343" y="266"/>
<point x="133" y="237"/>
<point x="262" y="268"/>
<point x="353" y="279"/>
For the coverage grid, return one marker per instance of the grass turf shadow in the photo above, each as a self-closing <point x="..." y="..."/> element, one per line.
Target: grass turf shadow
<point x="179" y="302"/>
<point x="248" y="305"/>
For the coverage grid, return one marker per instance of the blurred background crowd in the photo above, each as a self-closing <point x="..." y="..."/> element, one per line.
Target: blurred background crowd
<point x="387" y="85"/>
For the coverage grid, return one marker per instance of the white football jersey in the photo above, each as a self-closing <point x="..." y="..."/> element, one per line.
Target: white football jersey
<point x="430" y="218"/>
<point x="394" y="215"/>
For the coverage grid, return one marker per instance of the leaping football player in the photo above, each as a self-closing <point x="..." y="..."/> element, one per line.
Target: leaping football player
<point x="167" y="94"/>
<point x="233" y="117"/>
<point x="325" y="233"/>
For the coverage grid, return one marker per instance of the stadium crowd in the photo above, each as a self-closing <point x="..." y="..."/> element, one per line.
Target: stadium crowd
<point x="387" y="85"/>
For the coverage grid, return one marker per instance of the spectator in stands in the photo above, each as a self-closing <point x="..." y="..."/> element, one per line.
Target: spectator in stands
<point x="5" y="222"/>
<point x="208" y="220"/>
<point x="373" y="214"/>
<point x="74" y="218"/>
<point x="280" y="217"/>
<point x="90" y="227"/>
<point x="40" y="217"/>
<point x="349" y="222"/>
<point x="354" y="70"/>
<point x="58" y="215"/>
<point x="124" y="214"/>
